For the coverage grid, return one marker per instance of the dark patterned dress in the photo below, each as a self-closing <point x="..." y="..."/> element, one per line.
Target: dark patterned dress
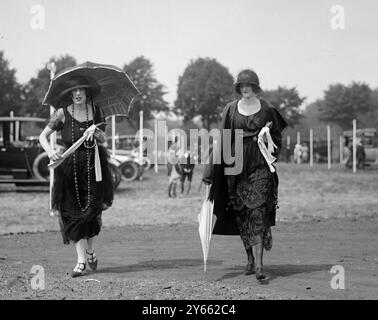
<point x="252" y="193"/>
<point x="245" y="204"/>
<point x="74" y="223"/>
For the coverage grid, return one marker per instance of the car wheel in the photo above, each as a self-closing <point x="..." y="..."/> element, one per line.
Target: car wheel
<point x="40" y="169"/>
<point x="116" y="175"/>
<point x="130" y="170"/>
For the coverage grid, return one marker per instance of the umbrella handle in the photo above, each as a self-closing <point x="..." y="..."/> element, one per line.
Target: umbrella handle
<point x="99" y="124"/>
<point x="207" y="191"/>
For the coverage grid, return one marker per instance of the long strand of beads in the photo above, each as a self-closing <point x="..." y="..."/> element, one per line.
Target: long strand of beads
<point x="88" y="163"/>
<point x="74" y="165"/>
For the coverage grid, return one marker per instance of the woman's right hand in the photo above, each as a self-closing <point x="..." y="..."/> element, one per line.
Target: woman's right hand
<point x="54" y="155"/>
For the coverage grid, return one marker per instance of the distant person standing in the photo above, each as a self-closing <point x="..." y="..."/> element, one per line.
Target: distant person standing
<point x="360" y="155"/>
<point x="288" y="153"/>
<point x="304" y="153"/>
<point x="187" y="168"/>
<point x="298" y="153"/>
<point x="173" y="169"/>
<point x="346" y="154"/>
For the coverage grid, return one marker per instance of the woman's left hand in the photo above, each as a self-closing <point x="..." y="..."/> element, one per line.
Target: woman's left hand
<point x="90" y="131"/>
<point x="269" y="124"/>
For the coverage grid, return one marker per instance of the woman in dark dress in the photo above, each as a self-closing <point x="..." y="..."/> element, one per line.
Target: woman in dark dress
<point x="79" y="194"/>
<point x="245" y="203"/>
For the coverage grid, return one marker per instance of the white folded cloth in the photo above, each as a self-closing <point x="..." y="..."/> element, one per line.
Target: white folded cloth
<point x="97" y="161"/>
<point x="267" y="151"/>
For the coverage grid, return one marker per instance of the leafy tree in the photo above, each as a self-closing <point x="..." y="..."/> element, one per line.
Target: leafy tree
<point x="140" y="70"/>
<point x="370" y="119"/>
<point x="204" y="89"/>
<point x="310" y="120"/>
<point x="10" y="90"/>
<point x="342" y="104"/>
<point x="287" y="101"/>
<point x="36" y="88"/>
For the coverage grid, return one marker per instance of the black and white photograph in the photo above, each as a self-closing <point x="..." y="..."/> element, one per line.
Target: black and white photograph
<point x="159" y="151"/>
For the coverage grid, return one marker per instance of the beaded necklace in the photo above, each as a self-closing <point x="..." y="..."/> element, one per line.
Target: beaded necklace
<point x="74" y="163"/>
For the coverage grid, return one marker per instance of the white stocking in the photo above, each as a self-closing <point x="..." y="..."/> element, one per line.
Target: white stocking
<point x="80" y="249"/>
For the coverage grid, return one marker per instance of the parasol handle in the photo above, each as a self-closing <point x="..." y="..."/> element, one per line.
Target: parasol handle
<point x="70" y="150"/>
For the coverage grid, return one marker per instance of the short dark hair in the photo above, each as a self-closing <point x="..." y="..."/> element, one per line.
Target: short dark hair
<point x="88" y="93"/>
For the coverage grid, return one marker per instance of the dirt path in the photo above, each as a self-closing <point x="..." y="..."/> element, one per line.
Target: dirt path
<point x="165" y="262"/>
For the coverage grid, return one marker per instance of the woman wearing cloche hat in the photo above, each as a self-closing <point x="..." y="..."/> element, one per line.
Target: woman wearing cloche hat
<point x="245" y="203"/>
<point x="83" y="185"/>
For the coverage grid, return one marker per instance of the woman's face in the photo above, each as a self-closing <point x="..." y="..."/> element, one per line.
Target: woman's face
<point x="79" y="96"/>
<point x="246" y="90"/>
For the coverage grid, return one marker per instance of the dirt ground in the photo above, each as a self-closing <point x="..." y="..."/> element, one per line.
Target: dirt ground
<point x="149" y="247"/>
<point x="165" y="262"/>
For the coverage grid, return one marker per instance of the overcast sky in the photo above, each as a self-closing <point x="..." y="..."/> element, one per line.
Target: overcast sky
<point x="288" y="43"/>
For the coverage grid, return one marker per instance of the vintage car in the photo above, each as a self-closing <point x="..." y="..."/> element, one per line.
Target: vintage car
<point x="23" y="161"/>
<point x="128" y="159"/>
<point x="369" y="140"/>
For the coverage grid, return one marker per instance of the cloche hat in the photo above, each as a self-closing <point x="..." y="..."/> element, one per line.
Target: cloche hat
<point x="249" y="77"/>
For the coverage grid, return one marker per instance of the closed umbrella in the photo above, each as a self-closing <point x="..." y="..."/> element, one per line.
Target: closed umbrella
<point x="206" y="220"/>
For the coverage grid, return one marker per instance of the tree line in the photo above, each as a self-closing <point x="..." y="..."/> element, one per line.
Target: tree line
<point x="204" y="88"/>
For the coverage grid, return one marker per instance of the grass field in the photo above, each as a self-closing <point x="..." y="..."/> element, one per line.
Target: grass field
<point x="304" y="194"/>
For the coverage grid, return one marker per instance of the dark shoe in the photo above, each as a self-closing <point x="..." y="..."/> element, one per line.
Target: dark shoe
<point x="92" y="260"/>
<point x="250" y="269"/>
<point x="260" y="275"/>
<point x="79" y="270"/>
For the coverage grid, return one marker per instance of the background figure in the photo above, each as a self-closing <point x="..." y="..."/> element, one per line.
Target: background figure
<point x="298" y="153"/>
<point x="360" y="155"/>
<point x="174" y="170"/>
<point x="349" y="162"/>
<point x="304" y="153"/>
<point x="288" y="153"/>
<point x="187" y="168"/>
<point x="346" y="154"/>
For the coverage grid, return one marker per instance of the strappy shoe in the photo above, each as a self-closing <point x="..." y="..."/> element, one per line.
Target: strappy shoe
<point x="250" y="268"/>
<point x="260" y="275"/>
<point x="92" y="260"/>
<point x="79" y="270"/>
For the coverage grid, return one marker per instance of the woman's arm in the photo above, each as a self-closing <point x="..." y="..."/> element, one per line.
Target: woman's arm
<point x="100" y="136"/>
<point x="56" y="122"/>
<point x="279" y="124"/>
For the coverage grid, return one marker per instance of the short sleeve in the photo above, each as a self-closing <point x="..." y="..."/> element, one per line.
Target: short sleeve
<point x="55" y="123"/>
<point x="278" y="120"/>
<point x="279" y="124"/>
